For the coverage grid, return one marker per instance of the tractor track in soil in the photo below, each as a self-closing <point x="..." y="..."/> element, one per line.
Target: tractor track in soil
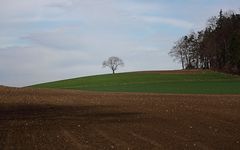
<point x="70" y="119"/>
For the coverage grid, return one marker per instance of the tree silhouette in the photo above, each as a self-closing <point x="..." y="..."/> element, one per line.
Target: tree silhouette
<point x="216" y="47"/>
<point x="113" y="63"/>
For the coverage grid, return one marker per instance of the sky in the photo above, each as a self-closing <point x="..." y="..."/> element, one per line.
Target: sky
<point x="48" y="40"/>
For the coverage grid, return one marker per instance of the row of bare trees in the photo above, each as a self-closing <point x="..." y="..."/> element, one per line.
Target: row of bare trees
<point x="216" y="47"/>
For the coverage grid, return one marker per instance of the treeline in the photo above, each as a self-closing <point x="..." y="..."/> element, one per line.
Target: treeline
<point x="216" y="47"/>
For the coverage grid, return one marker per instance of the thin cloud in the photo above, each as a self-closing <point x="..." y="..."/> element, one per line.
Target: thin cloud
<point x="167" y="21"/>
<point x="47" y="40"/>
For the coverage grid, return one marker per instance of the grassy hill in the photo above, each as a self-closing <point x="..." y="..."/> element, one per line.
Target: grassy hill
<point x="181" y="82"/>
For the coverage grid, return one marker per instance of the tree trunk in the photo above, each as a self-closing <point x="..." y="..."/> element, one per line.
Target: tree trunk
<point x="182" y="62"/>
<point x="113" y="71"/>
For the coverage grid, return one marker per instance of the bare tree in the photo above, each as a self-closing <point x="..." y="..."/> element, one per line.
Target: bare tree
<point x="113" y="63"/>
<point x="179" y="52"/>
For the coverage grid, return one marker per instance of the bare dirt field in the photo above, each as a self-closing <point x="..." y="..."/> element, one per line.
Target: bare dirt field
<point x="62" y="119"/>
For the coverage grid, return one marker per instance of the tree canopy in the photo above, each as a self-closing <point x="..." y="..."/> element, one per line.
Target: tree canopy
<point x="216" y="47"/>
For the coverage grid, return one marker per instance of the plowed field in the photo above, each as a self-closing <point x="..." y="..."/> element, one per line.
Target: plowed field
<point x="68" y="119"/>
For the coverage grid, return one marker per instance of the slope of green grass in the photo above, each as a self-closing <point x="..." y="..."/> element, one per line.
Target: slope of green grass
<point x="206" y="82"/>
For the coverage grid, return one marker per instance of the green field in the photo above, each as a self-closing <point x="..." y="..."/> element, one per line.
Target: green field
<point x="202" y="82"/>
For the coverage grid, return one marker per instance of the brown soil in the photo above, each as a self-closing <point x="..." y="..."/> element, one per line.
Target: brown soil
<point x="62" y="119"/>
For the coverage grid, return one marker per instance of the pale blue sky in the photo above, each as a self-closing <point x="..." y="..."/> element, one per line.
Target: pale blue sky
<point x="48" y="40"/>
